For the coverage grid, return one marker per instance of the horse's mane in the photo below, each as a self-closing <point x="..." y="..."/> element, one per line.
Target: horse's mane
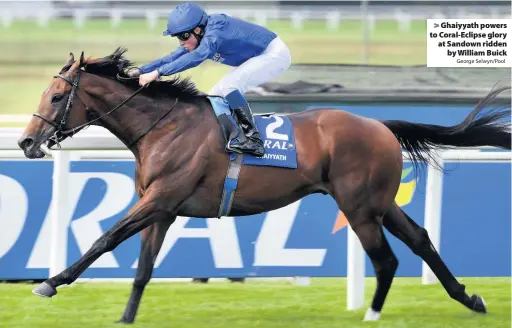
<point x="114" y="64"/>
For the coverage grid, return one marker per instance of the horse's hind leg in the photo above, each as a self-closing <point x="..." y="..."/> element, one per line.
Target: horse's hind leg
<point x="369" y="231"/>
<point x="364" y="213"/>
<point x="151" y="241"/>
<point x="416" y="238"/>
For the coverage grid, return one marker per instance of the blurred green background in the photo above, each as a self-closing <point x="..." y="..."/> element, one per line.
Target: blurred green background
<point x="31" y="55"/>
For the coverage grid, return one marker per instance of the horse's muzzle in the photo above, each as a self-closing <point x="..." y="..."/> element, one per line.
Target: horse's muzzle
<point x="31" y="147"/>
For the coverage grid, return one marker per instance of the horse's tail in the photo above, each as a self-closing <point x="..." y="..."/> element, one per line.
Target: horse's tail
<point x="488" y="129"/>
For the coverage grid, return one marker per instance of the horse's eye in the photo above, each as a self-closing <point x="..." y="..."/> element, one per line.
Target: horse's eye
<point x="57" y="98"/>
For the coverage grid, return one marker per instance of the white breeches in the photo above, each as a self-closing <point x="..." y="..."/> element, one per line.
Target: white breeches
<point x="275" y="60"/>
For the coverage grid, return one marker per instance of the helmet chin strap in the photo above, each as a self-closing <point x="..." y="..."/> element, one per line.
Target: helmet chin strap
<point x="202" y="26"/>
<point x="199" y="36"/>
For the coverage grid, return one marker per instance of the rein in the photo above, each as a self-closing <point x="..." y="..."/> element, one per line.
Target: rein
<point x="60" y="134"/>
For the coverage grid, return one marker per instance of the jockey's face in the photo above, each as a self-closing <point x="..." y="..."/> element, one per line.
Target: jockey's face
<point x="190" y="43"/>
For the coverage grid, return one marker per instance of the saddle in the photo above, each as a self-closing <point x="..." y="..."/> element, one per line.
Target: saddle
<point x="279" y="142"/>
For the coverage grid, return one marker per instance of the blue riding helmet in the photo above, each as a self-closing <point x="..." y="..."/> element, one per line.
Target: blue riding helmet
<point x="184" y="18"/>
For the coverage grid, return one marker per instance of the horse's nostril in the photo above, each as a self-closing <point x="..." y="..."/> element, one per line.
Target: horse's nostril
<point x="26" y="143"/>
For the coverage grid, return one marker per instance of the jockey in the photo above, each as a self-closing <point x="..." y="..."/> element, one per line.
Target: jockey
<point x="256" y="54"/>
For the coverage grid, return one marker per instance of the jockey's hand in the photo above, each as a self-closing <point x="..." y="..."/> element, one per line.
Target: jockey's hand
<point x="134" y="72"/>
<point x="144" y="79"/>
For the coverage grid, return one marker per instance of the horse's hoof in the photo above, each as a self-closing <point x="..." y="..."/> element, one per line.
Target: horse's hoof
<point x="125" y="322"/>
<point x="371" y="315"/>
<point x="44" y="290"/>
<point x="478" y="304"/>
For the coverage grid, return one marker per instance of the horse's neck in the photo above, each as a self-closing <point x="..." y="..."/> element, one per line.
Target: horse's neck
<point x="130" y="121"/>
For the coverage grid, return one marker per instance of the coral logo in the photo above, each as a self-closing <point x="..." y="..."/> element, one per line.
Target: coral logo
<point x="403" y="197"/>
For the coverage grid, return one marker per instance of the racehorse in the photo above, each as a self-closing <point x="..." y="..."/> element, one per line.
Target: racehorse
<point x="172" y="130"/>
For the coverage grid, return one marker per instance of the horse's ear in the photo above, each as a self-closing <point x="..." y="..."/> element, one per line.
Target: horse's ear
<point x="71" y="60"/>
<point x="81" y="59"/>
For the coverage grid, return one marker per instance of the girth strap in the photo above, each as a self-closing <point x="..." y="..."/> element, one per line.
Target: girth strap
<point x="230" y="183"/>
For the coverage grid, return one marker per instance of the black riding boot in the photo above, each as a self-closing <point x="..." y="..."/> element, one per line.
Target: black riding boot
<point x="236" y="140"/>
<point x="249" y="126"/>
<point x="254" y="142"/>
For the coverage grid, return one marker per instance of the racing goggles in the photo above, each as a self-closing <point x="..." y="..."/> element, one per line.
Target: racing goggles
<point x="183" y="36"/>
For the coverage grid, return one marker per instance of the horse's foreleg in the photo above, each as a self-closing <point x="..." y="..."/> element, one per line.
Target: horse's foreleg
<point x="416" y="238"/>
<point x="142" y="215"/>
<point x="151" y="241"/>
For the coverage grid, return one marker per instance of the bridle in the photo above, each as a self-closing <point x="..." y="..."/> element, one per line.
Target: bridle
<point x="61" y="134"/>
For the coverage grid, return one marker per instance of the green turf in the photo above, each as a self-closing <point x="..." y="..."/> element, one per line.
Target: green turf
<point x="254" y="304"/>
<point x="25" y="42"/>
<point x="35" y="54"/>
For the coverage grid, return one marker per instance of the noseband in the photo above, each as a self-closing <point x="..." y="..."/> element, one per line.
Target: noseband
<point x="61" y="134"/>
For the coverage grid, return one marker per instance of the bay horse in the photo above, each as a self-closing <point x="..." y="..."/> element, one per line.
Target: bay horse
<point x="172" y="130"/>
